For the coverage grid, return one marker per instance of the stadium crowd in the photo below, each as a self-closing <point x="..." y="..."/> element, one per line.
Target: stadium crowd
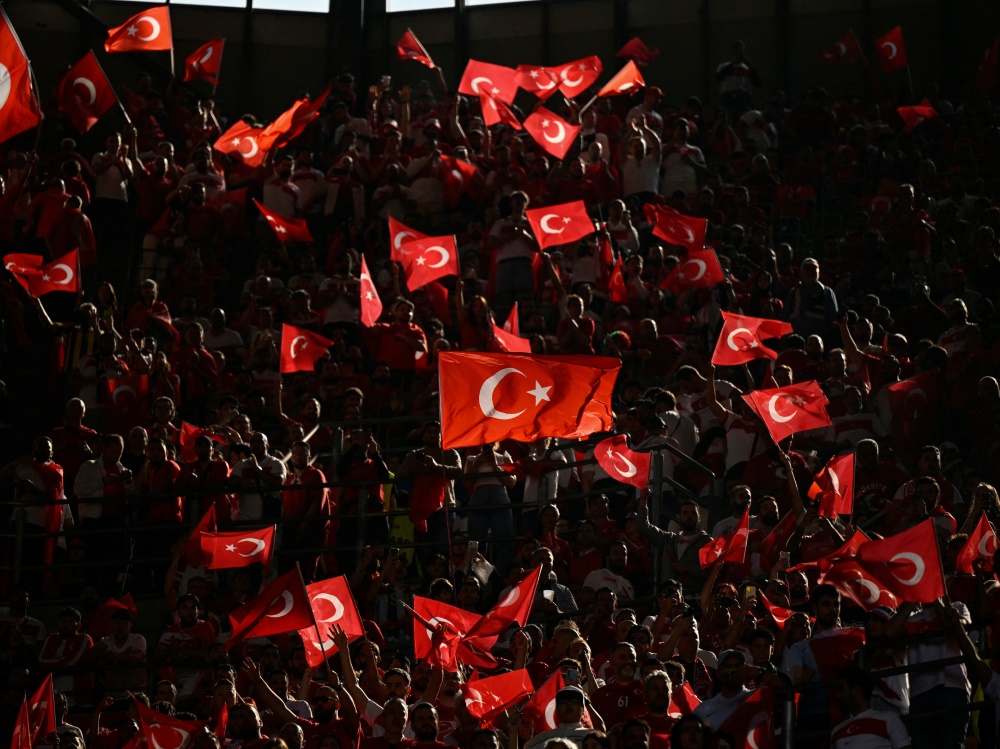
<point x="876" y="241"/>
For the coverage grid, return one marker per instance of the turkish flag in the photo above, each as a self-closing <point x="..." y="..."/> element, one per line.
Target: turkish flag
<point x="907" y="564"/>
<point x="540" y="710"/>
<point x="489" y="397"/>
<point x="510" y="343"/>
<point x="551" y="131"/>
<point x="163" y="732"/>
<point x="85" y="93"/>
<point x="914" y="406"/>
<point x="699" y="270"/>
<point x="843" y="51"/>
<point x="301" y="349"/>
<point x="857" y="584"/>
<point x="400" y="233"/>
<point x="752" y="722"/>
<point x="834" y="486"/>
<point x="189" y="434"/>
<point x="891" y="51"/>
<point x="676" y="228"/>
<point x="192" y="546"/>
<point x="371" y="305"/>
<point x="486" y="698"/>
<point x="731" y="547"/>
<point x="628" y="80"/>
<point x="542" y="82"/>
<point x="285" y="228"/>
<point x="636" y="50"/>
<point x="19" y="109"/>
<point x="617" y="289"/>
<point x="291" y="123"/>
<point x="458" y="178"/>
<point x="148" y="31"/>
<point x="204" y="63"/>
<point x="487" y="78"/>
<point x="834" y="650"/>
<point x="22" y="738"/>
<point x="513" y="323"/>
<point x="981" y="544"/>
<point x="779" y="613"/>
<point x="560" y="224"/>
<point x="684" y="700"/>
<point x="513" y="608"/>
<point x="281" y="607"/>
<point x="429" y="643"/>
<point x="914" y="116"/>
<point x="742" y="339"/>
<point x="622" y="463"/>
<point x="332" y="603"/>
<point x="848" y="551"/>
<point x="428" y="259"/>
<point x="42" y="711"/>
<point x="776" y="541"/>
<point x="62" y="274"/>
<point x="495" y="111"/>
<point x="986" y="75"/>
<point x="126" y="401"/>
<point x="409" y="48"/>
<point x="577" y="76"/>
<point x="226" y="551"/>
<point x="245" y="143"/>
<point x="791" y="409"/>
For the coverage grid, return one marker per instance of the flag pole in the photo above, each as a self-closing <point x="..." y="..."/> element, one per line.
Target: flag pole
<point x="588" y="105"/>
<point x="172" y="74"/>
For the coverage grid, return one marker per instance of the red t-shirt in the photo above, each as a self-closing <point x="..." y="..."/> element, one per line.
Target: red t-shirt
<point x="614" y="701"/>
<point x="392" y="350"/>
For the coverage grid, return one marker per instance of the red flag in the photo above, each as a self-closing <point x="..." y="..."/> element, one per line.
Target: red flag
<point x="22" y="738"/>
<point x="514" y="608"/>
<point x="843" y="51"/>
<point x="699" y="270"/>
<point x="731" y="547"/>
<point x="542" y="82"/>
<point x="19" y="109"/>
<point x="301" y="349"/>
<point x="42" y="711"/>
<point x="510" y="343"/>
<point x="486" y="78"/>
<point x="291" y="123"/>
<point x="986" y="75"/>
<point x="62" y="274"/>
<point x="332" y="603"/>
<point x="617" y="289"/>
<point x="513" y="324"/>
<point x="189" y="434"/>
<point x="399" y="234"/>
<point x="445" y="647"/>
<point x="192" y="546"/>
<point x="489" y="397"/>
<point x="221" y="722"/>
<point x="163" y="732"/>
<point x="204" y="63"/>
<point x="429" y="259"/>
<point x="409" y="48"/>
<point x="834" y="650"/>
<point x="779" y="613"/>
<point x="742" y="339"/>
<point x="551" y="131"/>
<point x="752" y="722"/>
<point x="246" y="143"/>
<point x="459" y="178"/>
<point x="577" y="76"/>
<point x="776" y="541"/>
<point x="914" y="406"/>
<point x="914" y="116"/>
<point x="636" y="50"/>
<point x="148" y="31"/>
<point x="226" y="551"/>
<point x="834" y="486"/>
<point x="891" y="51"/>
<point x="907" y="564"/>
<point x="982" y="544"/>
<point x="486" y="698"/>
<point x="684" y="700"/>
<point x="371" y="305"/>
<point x="281" y="607"/>
<point x="676" y="228"/>
<point x="628" y="80"/>
<point x="286" y="228"/>
<point x="495" y="111"/>
<point x="85" y="93"/>
<point x="560" y="224"/>
<point x="540" y="710"/>
<point x="857" y="584"/>
<point x="126" y="401"/>
<point x="622" y="463"/>
<point x="791" y="409"/>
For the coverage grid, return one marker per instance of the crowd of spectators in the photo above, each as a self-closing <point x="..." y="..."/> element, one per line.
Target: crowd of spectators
<point x="878" y="245"/>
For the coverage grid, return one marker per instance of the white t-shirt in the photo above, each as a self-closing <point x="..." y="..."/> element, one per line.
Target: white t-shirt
<point x="952" y="677"/>
<point x="715" y="710"/>
<point x="605" y="578"/>
<point x="252" y="503"/>
<point x="871" y="729"/>
<point x="640" y="176"/>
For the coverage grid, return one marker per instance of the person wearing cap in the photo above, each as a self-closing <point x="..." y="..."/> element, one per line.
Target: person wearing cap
<point x="810" y="307"/>
<point x="122" y="647"/>
<point x="651" y="99"/>
<point x="570" y="703"/>
<point x="715" y="710"/>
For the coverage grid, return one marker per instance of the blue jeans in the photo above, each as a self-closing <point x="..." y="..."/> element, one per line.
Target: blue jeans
<point x="499" y="518"/>
<point x="941" y="731"/>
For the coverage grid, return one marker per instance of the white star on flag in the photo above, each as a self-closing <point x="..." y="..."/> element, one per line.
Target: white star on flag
<point x="230" y="547"/>
<point x="281" y="230"/>
<point x="235" y="142"/>
<point x="45" y="276"/>
<point x="133" y="30"/>
<point x="545" y="123"/>
<point x="540" y="393"/>
<point x="420" y="260"/>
